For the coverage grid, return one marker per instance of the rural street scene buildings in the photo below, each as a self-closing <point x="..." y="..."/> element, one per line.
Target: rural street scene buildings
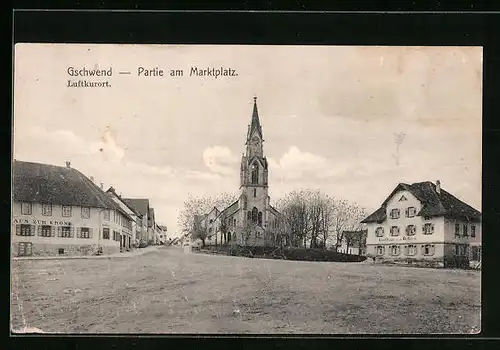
<point x="318" y="190"/>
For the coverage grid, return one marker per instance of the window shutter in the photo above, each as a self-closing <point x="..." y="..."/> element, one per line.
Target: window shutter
<point x="90" y="232"/>
<point x="72" y="231"/>
<point x="407" y="212"/>
<point x="18" y="229"/>
<point x="406" y="250"/>
<point x="78" y="232"/>
<point x="423" y="228"/>
<point x="431" y="251"/>
<point x="53" y="231"/>
<point x="32" y="230"/>
<point x="397" y="230"/>
<point x="39" y="229"/>
<point x="59" y="231"/>
<point x="432" y="228"/>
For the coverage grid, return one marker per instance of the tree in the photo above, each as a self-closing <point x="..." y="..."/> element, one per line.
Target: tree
<point x="189" y="218"/>
<point x="346" y="217"/>
<point x="355" y="239"/>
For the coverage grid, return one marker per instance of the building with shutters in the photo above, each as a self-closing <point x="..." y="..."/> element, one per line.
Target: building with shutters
<point x="423" y="222"/>
<point x="59" y="211"/>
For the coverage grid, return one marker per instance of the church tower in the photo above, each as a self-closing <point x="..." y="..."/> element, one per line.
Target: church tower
<point x="254" y="199"/>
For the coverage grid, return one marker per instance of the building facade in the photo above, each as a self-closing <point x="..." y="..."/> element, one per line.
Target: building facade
<point x="128" y="241"/>
<point x="423" y="222"/>
<point x="141" y="206"/>
<point x="251" y="219"/>
<point x="59" y="211"/>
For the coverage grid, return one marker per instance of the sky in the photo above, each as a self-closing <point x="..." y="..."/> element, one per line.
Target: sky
<point x="352" y="121"/>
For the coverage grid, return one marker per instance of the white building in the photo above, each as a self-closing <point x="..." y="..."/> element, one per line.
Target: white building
<point x="134" y="214"/>
<point x="59" y="211"/>
<point x="422" y="221"/>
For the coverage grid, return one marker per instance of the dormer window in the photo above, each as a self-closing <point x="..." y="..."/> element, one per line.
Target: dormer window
<point x="394" y="214"/>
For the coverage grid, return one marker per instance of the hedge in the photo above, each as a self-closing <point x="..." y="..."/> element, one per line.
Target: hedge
<point x="299" y="254"/>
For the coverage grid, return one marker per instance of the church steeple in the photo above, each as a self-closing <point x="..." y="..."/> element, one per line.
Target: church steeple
<point x="255" y="125"/>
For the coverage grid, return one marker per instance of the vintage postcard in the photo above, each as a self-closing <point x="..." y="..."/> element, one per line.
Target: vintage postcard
<point x="245" y="189"/>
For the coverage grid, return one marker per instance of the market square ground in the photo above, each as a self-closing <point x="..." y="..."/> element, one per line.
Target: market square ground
<point x="168" y="291"/>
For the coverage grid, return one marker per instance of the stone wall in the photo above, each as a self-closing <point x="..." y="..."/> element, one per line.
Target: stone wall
<point x="45" y="249"/>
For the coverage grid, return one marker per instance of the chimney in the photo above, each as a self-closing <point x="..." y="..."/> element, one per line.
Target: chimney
<point x="92" y="178"/>
<point x="68" y="164"/>
<point x="102" y="186"/>
<point x="438" y="186"/>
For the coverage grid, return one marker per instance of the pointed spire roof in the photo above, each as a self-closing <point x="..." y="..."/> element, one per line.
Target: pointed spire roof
<point x="255" y="125"/>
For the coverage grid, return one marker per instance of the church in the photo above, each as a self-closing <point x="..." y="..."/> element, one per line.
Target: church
<point x="251" y="220"/>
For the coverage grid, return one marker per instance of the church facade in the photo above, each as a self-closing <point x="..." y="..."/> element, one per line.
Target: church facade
<point x="251" y="220"/>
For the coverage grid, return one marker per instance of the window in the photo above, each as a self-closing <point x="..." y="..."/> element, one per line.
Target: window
<point x="473" y="231"/>
<point x="61" y="251"/>
<point x="254" y="214"/>
<point x="209" y="230"/>
<point x="47" y="209"/>
<point x="411" y="212"/>
<point x="255" y="192"/>
<point x="46" y="231"/>
<point x="394" y="231"/>
<point x="395" y="250"/>
<point x="476" y="253"/>
<point x="107" y="215"/>
<point x="84" y="232"/>
<point x="466" y="234"/>
<point x="428" y="249"/>
<point x="249" y="215"/>
<point x="234" y="222"/>
<point x="457" y="230"/>
<point x="25" y="230"/>
<point x="379" y="232"/>
<point x="66" y="211"/>
<point x="255" y="173"/>
<point x="211" y="220"/>
<point x="403" y="198"/>
<point x="428" y="229"/>
<point x="460" y="249"/>
<point x="85" y="212"/>
<point x="65" y="231"/>
<point x="411" y="250"/>
<point x="411" y="230"/>
<point x="24" y="249"/>
<point x="394" y="214"/>
<point x="26" y="208"/>
<point x="260" y="218"/>
<point x="380" y="250"/>
<point x="105" y="233"/>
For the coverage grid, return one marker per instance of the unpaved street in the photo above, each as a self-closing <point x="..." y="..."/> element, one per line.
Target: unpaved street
<point x="167" y="291"/>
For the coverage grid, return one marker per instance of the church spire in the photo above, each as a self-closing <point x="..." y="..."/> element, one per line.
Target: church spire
<point x="255" y="126"/>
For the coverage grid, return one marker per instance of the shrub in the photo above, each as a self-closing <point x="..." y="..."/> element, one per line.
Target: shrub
<point x="460" y="262"/>
<point x="299" y="254"/>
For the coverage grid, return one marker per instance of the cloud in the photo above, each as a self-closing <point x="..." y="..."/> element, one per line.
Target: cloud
<point x="108" y="147"/>
<point x="220" y="160"/>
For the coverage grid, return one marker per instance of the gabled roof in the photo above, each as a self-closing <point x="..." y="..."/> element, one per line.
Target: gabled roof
<point x="141" y="205"/>
<point x="44" y="183"/>
<point x="230" y="210"/>
<point x="262" y="161"/>
<point x="111" y="191"/>
<point x="433" y="203"/>
<point x="255" y="124"/>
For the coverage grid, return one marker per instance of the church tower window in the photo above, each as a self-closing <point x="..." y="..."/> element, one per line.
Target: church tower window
<point x="254" y="214"/>
<point x="255" y="173"/>
<point x="255" y="192"/>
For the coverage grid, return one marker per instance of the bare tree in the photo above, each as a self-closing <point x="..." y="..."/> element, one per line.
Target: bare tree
<point x="346" y="217"/>
<point x="196" y="207"/>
